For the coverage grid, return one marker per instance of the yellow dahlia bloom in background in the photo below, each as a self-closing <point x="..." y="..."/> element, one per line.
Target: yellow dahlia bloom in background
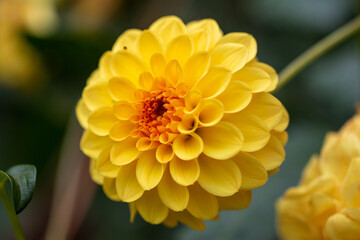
<point x="20" y="64"/>
<point x="326" y="204"/>
<point x="179" y="122"/>
<point x="38" y="17"/>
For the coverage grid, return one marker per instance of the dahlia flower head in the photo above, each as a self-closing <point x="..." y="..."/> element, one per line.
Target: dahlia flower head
<point x="326" y="204"/>
<point x="179" y="122"/>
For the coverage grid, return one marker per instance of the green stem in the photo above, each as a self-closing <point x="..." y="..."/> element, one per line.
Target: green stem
<point x="318" y="50"/>
<point x="11" y="212"/>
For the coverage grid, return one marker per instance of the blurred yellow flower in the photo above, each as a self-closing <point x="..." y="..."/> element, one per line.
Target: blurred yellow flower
<point x="38" y="17"/>
<point x="326" y="204"/>
<point x="20" y="65"/>
<point x="179" y="122"/>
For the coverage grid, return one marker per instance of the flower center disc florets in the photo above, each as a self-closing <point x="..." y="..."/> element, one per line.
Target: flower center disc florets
<point x="159" y="112"/>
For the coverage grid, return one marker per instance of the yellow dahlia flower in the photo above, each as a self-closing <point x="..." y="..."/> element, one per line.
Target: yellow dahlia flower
<point x="326" y="204"/>
<point x="179" y="122"/>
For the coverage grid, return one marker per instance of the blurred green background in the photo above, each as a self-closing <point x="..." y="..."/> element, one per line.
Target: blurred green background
<point x="34" y="116"/>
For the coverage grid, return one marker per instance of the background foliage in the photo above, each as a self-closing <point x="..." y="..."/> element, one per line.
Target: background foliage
<point x="33" y="120"/>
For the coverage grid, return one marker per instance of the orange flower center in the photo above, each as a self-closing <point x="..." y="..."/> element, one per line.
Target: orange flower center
<point x="160" y="112"/>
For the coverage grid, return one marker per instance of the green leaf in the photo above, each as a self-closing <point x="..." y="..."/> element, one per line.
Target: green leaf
<point x="22" y="179"/>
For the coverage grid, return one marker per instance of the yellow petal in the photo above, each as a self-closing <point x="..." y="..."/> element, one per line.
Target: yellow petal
<point x="133" y="211"/>
<point x="148" y="170"/>
<point x="173" y="195"/>
<point x="166" y="138"/>
<point x="184" y="172"/>
<point x="145" y="143"/>
<point x="127" y="40"/>
<point x="121" y="89"/>
<point x="151" y="208"/>
<point x="164" y="153"/>
<point x="214" y="82"/>
<point x="255" y="131"/>
<point x="105" y="65"/>
<point x="127" y="186"/>
<point x="202" y="204"/>
<point x="170" y="221"/>
<point x="149" y="44"/>
<point x="124" y="152"/>
<point x="272" y="155"/>
<point x="257" y="79"/>
<point x="146" y="81"/>
<point x="168" y="28"/>
<point x="290" y="226"/>
<point x="192" y="100"/>
<point x="350" y="142"/>
<point x="188" y="146"/>
<point x="95" y="78"/>
<point x="332" y="151"/>
<point x="210" y="25"/>
<point x="232" y="56"/>
<point x="221" y="141"/>
<point x="96" y="96"/>
<point x="181" y="89"/>
<point x="121" y="130"/>
<point x="321" y="208"/>
<point x="284" y="122"/>
<point x="105" y="167"/>
<point x="353" y="213"/>
<point x="101" y="121"/>
<point x="124" y="110"/>
<point x="311" y="170"/>
<point x="341" y="227"/>
<point x="92" y="145"/>
<point x="94" y="173"/>
<point x="173" y="72"/>
<point x="269" y="70"/>
<point x="253" y="173"/>
<point x="188" y="124"/>
<point x="127" y="65"/>
<point x="323" y="184"/>
<point x="267" y="107"/>
<point x="180" y="48"/>
<point x="201" y="40"/>
<point x="221" y="178"/>
<point x="243" y="38"/>
<point x="158" y="65"/>
<point x="273" y="171"/>
<point x="211" y="112"/>
<point x="239" y="200"/>
<point x="196" y="67"/>
<point x="186" y="218"/>
<point x="281" y="136"/>
<point x="352" y="195"/>
<point x="351" y="186"/>
<point x="82" y="113"/>
<point x="235" y="97"/>
<point x="110" y="189"/>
